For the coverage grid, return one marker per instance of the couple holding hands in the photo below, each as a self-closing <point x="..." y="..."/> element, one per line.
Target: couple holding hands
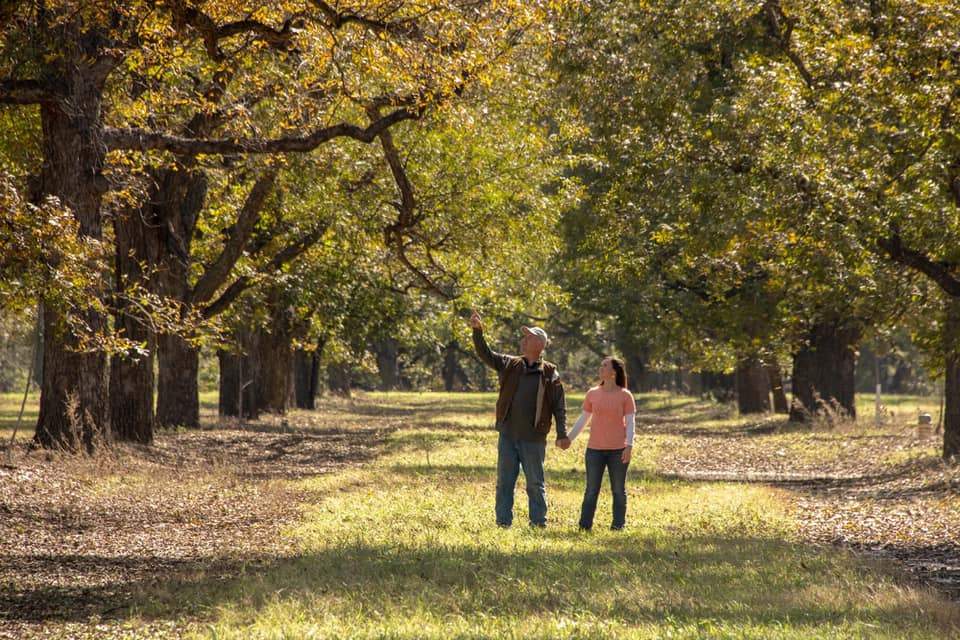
<point x="531" y="395"/>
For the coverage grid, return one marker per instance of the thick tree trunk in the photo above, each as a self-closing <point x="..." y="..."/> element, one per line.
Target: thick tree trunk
<point x="824" y="372"/>
<point x="951" y="389"/>
<point x="178" y="396"/>
<point x="73" y="394"/>
<point x="775" y="376"/>
<point x="306" y="378"/>
<point x="131" y="375"/>
<point x="951" y="418"/>
<point x="274" y="360"/>
<point x="173" y="208"/>
<point x="388" y="363"/>
<point x="753" y="386"/>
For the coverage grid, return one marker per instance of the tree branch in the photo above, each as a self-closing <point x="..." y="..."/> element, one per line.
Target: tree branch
<point x="217" y="272"/>
<point x="138" y="139"/>
<point x="938" y="271"/>
<point x="407" y="216"/>
<point x="776" y="18"/>
<point x="338" y="19"/>
<point x="212" y="33"/>
<point x="289" y="253"/>
<point x="23" y="92"/>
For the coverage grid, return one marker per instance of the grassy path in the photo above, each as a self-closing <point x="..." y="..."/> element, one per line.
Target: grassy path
<point x="402" y="545"/>
<point x="405" y="547"/>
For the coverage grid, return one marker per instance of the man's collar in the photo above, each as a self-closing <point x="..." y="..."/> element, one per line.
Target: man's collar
<point x="536" y="364"/>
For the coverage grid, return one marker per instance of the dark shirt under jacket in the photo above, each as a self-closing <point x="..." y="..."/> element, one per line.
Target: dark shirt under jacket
<point x="519" y="421"/>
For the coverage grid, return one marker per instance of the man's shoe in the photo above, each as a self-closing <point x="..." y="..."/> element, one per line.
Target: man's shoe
<point x="538" y="525"/>
<point x="503" y="525"/>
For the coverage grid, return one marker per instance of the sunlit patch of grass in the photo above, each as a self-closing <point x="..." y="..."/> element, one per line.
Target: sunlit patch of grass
<point x="10" y="409"/>
<point x="907" y="456"/>
<point x="896" y="409"/>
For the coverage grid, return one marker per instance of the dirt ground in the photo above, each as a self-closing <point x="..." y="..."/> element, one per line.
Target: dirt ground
<point x="881" y="491"/>
<point x="84" y="538"/>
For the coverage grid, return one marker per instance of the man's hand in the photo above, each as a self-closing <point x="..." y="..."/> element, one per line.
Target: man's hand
<point x="475" y="322"/>
<point x="563" y="443"/>
<point x="626" y="455"/>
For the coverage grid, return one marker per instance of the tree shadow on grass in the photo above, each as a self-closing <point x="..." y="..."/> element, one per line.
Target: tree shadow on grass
<point x="633" y="579"/>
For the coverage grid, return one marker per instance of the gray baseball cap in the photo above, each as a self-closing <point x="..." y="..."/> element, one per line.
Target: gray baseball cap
<point x="536" y="331"/>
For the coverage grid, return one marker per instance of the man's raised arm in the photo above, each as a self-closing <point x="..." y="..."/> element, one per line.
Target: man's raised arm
<point x="495" y="360"/>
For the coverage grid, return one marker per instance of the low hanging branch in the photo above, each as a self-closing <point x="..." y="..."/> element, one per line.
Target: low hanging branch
<point x="407" y="217"/>
<point x="940" y="272"/>
<point x="212" y="33"/>
<point x="141" y="140"/>
<point x="337" y="19"/>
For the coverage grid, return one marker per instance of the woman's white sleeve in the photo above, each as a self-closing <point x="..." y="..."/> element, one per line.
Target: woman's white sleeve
<point x="578" y="426"/>
<point x="631" y="428"/>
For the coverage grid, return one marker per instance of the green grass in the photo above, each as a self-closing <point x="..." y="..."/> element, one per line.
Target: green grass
<point x="406" y="547"/>
<point x="10" y="409"/>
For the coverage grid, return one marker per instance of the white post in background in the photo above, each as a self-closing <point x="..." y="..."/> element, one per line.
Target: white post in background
<point x="876" y="402"/>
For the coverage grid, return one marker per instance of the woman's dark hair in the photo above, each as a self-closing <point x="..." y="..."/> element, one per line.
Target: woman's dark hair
<point x="620" y="369"/>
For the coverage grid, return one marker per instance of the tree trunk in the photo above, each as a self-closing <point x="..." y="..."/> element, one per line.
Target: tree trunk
<point x="824" y="372"/>
<point x="951" y="384"/>
<point x="131" y="387"/>
<point x="73" y="394"/>
<point x="451" y="369"/>
<point x="131" y="375"/>
<point x="951" y="418"/>
<point x="720" y="386"/>
<point x="173" y="208"/>
<point x="388" y="363"/>
<point x="780" y="404"/>
<point x="338" y="378"/>
<point x="636" y="355"/>
<point x="306" y="378"/>
<point x="178" y="396"/>
<point x="753" y="386"/>
<point x="274" y="355"/>
<point x="238" y="395"/>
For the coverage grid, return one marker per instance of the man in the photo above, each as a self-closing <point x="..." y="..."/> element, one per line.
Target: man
<point x="530" y="395"/>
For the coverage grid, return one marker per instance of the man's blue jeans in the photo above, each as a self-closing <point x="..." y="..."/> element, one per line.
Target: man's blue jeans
<point x="511" y="455"/>
<point x="597" y="460"/>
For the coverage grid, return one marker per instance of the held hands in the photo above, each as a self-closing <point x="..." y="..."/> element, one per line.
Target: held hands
<point x="563" y="443"/>
<point x="625" y="457"/>
<point x="475" y="322"/>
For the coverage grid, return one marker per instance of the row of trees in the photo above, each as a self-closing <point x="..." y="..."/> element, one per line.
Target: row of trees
<point x="770" y="183"/>
<point x="179" y="172"/>
<point x="751" y="191"/>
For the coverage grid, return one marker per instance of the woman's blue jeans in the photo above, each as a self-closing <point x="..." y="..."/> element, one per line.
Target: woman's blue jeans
<point x="597" y="460"/>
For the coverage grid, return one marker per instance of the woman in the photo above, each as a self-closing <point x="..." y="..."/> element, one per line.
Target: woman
<point x="611" y="411"/>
